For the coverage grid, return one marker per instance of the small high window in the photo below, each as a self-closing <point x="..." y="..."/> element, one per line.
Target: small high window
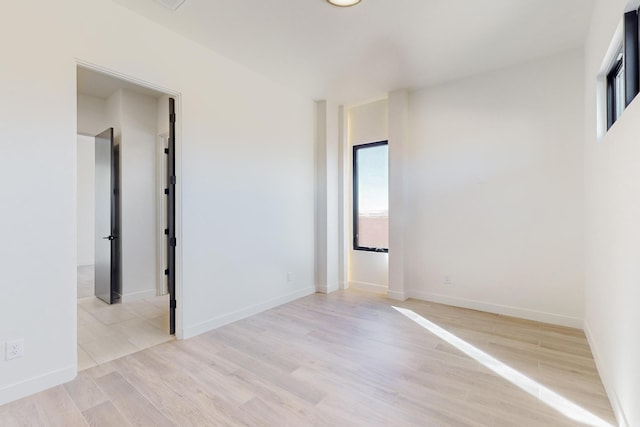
<point x="371" y="197"/>
<point x="623" y="77"/>
<point x="615" y="90"/>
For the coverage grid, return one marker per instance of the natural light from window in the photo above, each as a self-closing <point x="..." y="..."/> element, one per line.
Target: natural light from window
<point x="537" y="390"/>
<point x="372" y="204"/>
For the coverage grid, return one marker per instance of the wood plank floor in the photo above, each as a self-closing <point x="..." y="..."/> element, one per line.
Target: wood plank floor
<point x="345" y="359"/>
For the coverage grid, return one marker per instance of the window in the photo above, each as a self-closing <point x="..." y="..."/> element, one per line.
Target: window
<point x="615" y="90"/>
<point x="623" y="76"/>
<point x="371" y="197"/>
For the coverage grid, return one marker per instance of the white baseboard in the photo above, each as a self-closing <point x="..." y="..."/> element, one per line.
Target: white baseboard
<point x="397" y="295"/>
<point x="370" y="287"/>
<point x="613" y="397"/>
<point x="37" y="384"/>
<point x="216" y="322"/>
<point x="523" y="313"/>
<point x="135" y="296"/>
<point x="327" y="289"/>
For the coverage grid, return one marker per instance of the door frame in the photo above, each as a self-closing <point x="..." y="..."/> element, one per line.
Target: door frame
<point x="178" y="171"/>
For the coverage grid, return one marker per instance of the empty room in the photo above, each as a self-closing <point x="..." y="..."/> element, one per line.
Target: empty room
<point x="356" y="213"/>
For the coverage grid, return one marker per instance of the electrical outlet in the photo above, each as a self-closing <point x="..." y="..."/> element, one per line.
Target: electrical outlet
<point x="290" y="276"/>
<point x="15" y="349"/>
<point x="447" y="280"/>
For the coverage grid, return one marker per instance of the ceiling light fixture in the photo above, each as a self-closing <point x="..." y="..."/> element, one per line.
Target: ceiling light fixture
<point x="344" y="3"/>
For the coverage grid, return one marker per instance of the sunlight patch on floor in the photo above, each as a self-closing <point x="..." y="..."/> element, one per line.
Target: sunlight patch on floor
<point x="549" y="397"/>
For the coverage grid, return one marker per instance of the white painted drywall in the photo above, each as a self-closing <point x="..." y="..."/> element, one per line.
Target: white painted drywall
<point x="86" y="199"/>
<point x="92" y="115"/>
<point x="327" y="193"/>
<point x="163" y="115"/>
<point x="612" y="293"/>
<point x="134" y="119"/>
<point x="366" y="123"/>
<point x="398" y="112"/>
<point x="138" y="233"/>
<point x="344" y="203"/>
<point x="114" y="115"/>
<point x="246" y="178"/>
<point x="496" y="191"/>
<point x="92" y="119"/>
<point x="162" y="286"/>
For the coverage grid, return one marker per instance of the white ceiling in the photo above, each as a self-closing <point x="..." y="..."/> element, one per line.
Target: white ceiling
<point x="353" y="54"/>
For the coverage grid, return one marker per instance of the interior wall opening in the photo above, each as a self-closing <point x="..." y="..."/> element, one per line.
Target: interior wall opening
<point x="367" y="263"/>
<point x="136" y="314"/>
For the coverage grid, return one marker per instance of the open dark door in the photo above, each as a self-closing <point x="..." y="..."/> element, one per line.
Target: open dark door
<point x="170" y="231"/>
<point x="107" y="218"/>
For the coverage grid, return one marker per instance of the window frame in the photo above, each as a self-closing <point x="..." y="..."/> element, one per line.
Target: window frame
<point x="627" y="59"/>
<point x="355" y="191"/>
<point x="612" y="93"/>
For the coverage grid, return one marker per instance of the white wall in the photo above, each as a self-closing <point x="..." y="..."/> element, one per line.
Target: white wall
<point x="92" y="115"/>
<point x="162" y="286"/>
<point x="92" y="118"/>
<point x="135" y="119"/>
<point x="138" y="233"/>
<point x="327" y="197"/>
<point x="495" y="196"/>
<point x="163" y="114"/>
<point x="398" y="116"/>
<point x="86" y="199"/>
<point x="612" y="231"/>
<point x="366" y="123"/>
<point x="245" y="180"/>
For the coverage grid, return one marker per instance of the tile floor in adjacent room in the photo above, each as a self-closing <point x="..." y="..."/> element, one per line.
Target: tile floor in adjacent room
<point x="108" y="332"/>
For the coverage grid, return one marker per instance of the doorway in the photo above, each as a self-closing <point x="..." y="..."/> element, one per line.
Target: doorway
<point x="137" y="308"/>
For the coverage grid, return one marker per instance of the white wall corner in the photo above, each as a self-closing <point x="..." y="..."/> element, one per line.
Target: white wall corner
<point x="397" y="295"/>
<point x="343" y="193"/>
<point x="327" y="197"/>
<point x="320" y="195"/>
<point x="398" y="118"/>
<point x="618" y="411"/>
<point x="327" y="289"/>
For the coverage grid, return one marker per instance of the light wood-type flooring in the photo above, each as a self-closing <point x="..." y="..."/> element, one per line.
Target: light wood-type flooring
<point x="344" y="359"/>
